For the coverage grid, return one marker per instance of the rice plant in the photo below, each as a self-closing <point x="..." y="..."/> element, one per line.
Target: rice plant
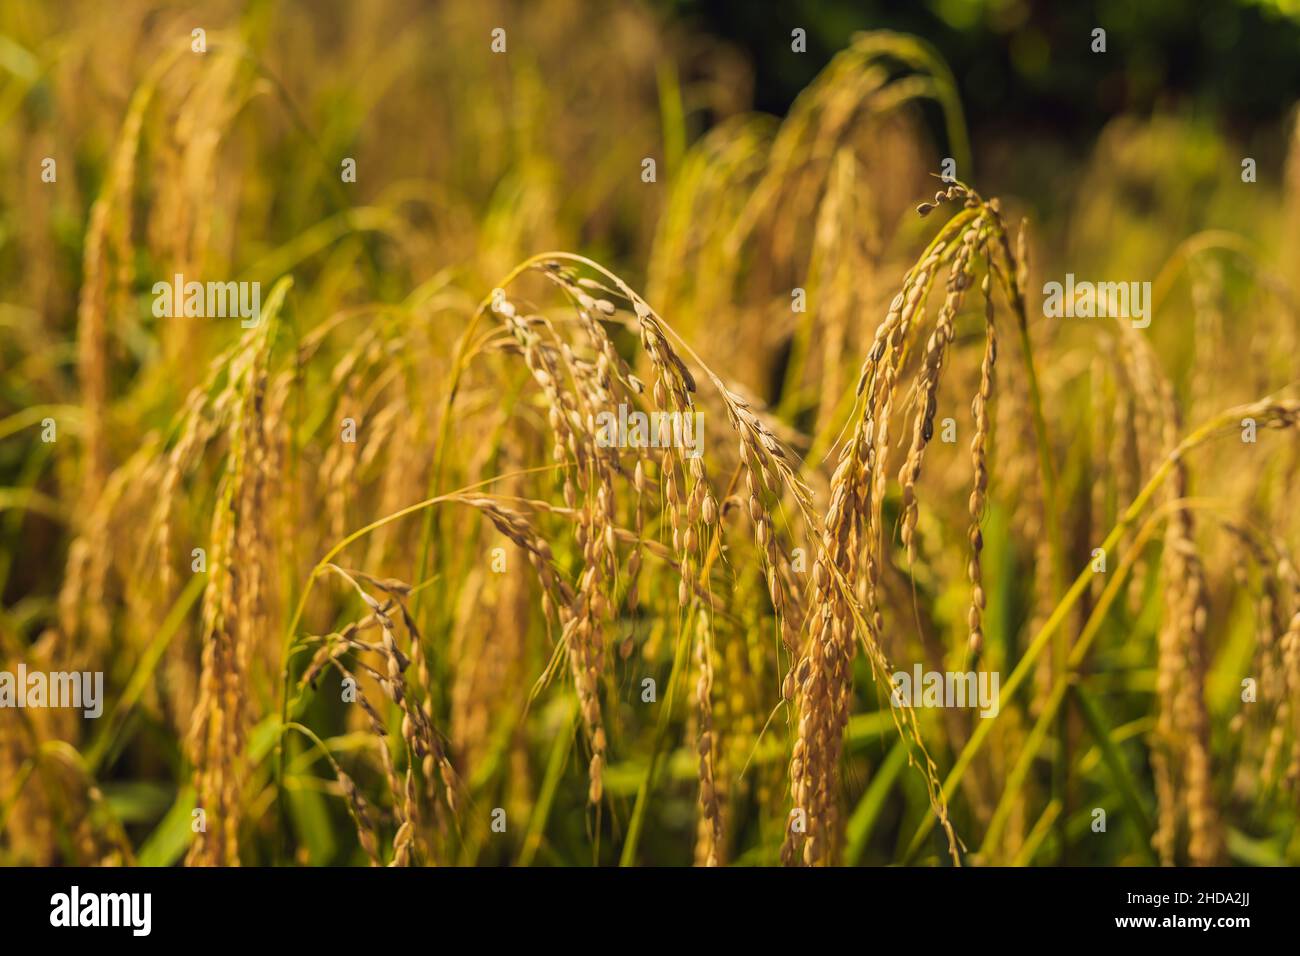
<point x="594" y="462"/>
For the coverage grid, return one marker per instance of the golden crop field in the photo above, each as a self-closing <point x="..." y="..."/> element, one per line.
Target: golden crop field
<point x="471" y="434"/>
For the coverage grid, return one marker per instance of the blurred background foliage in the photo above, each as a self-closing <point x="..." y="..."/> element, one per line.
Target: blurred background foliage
<point x="1027" y="66"/>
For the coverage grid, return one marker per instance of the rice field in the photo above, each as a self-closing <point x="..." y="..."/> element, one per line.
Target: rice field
<point x="471" y="435"/>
